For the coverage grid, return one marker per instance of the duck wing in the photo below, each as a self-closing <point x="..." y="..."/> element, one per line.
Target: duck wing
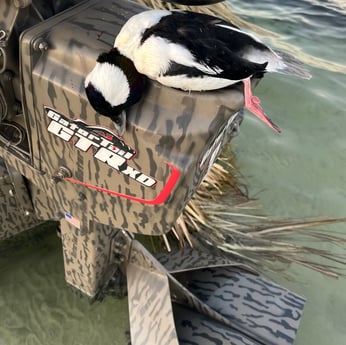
<point x="188" y="27"/>
<point x="196" y="45"/>
<point x="212" y="58"/>
<point x="182" y="27"/>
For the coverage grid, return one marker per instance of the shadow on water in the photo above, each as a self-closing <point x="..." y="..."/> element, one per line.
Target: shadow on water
<point x="37" y="307"/>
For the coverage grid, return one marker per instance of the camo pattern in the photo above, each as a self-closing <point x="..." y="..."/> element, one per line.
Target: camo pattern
<point x="191" y="259"/>
<point x="169" y="129"/>
<point x="196" y="329"/>
<point x="16" y="210"/>
<point x="246" y="305"/>
<point x="150" y="306"/>
<point x="247" y="308"/>
<point x="88" y="259"/>
<point x="237" y="295"/>
<point x="262" y="309"/>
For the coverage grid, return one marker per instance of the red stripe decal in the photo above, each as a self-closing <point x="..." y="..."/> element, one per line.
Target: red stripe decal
<point x="161" y="198"/>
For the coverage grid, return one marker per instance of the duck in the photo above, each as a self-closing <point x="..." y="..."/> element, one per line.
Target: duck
<point x="198" y="52"/>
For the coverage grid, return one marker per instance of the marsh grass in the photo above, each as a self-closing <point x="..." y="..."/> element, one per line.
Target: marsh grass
<point x="222" y="218"/>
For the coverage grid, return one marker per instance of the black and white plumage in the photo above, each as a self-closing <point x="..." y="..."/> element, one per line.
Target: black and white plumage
<point x="113" y="85"/>
<point x="198" y="52"/>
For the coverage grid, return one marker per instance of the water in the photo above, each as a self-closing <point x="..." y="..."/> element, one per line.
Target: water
<point x="301" y="172"/>
<point x="37" y="307"/>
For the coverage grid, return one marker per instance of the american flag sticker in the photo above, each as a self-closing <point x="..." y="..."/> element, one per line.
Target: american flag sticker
<point x="72" y="220"/>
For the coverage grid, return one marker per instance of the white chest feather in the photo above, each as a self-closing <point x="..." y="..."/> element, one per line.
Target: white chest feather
<point x="204" y="83"/>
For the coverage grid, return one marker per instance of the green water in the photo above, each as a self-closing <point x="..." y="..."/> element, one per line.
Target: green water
<point x="37" y="307"/>
<point x="301" y="172"/>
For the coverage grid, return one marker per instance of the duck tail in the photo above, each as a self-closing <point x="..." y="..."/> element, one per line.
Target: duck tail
<point x="291" y="66"/>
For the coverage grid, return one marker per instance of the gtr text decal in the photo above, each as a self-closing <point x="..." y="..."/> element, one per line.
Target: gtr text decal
<point x="106" y="146"/>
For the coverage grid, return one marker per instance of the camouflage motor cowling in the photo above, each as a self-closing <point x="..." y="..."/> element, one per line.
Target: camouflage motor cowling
<point x="140" y="182"/>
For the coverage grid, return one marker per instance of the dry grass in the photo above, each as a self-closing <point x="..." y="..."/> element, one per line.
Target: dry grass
<point x="221" y="217"/>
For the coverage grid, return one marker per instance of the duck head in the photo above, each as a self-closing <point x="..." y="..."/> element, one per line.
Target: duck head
<point x="114" y="85"/>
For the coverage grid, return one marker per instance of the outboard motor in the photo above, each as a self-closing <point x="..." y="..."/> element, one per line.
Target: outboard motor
<point x="139" y="182"/>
